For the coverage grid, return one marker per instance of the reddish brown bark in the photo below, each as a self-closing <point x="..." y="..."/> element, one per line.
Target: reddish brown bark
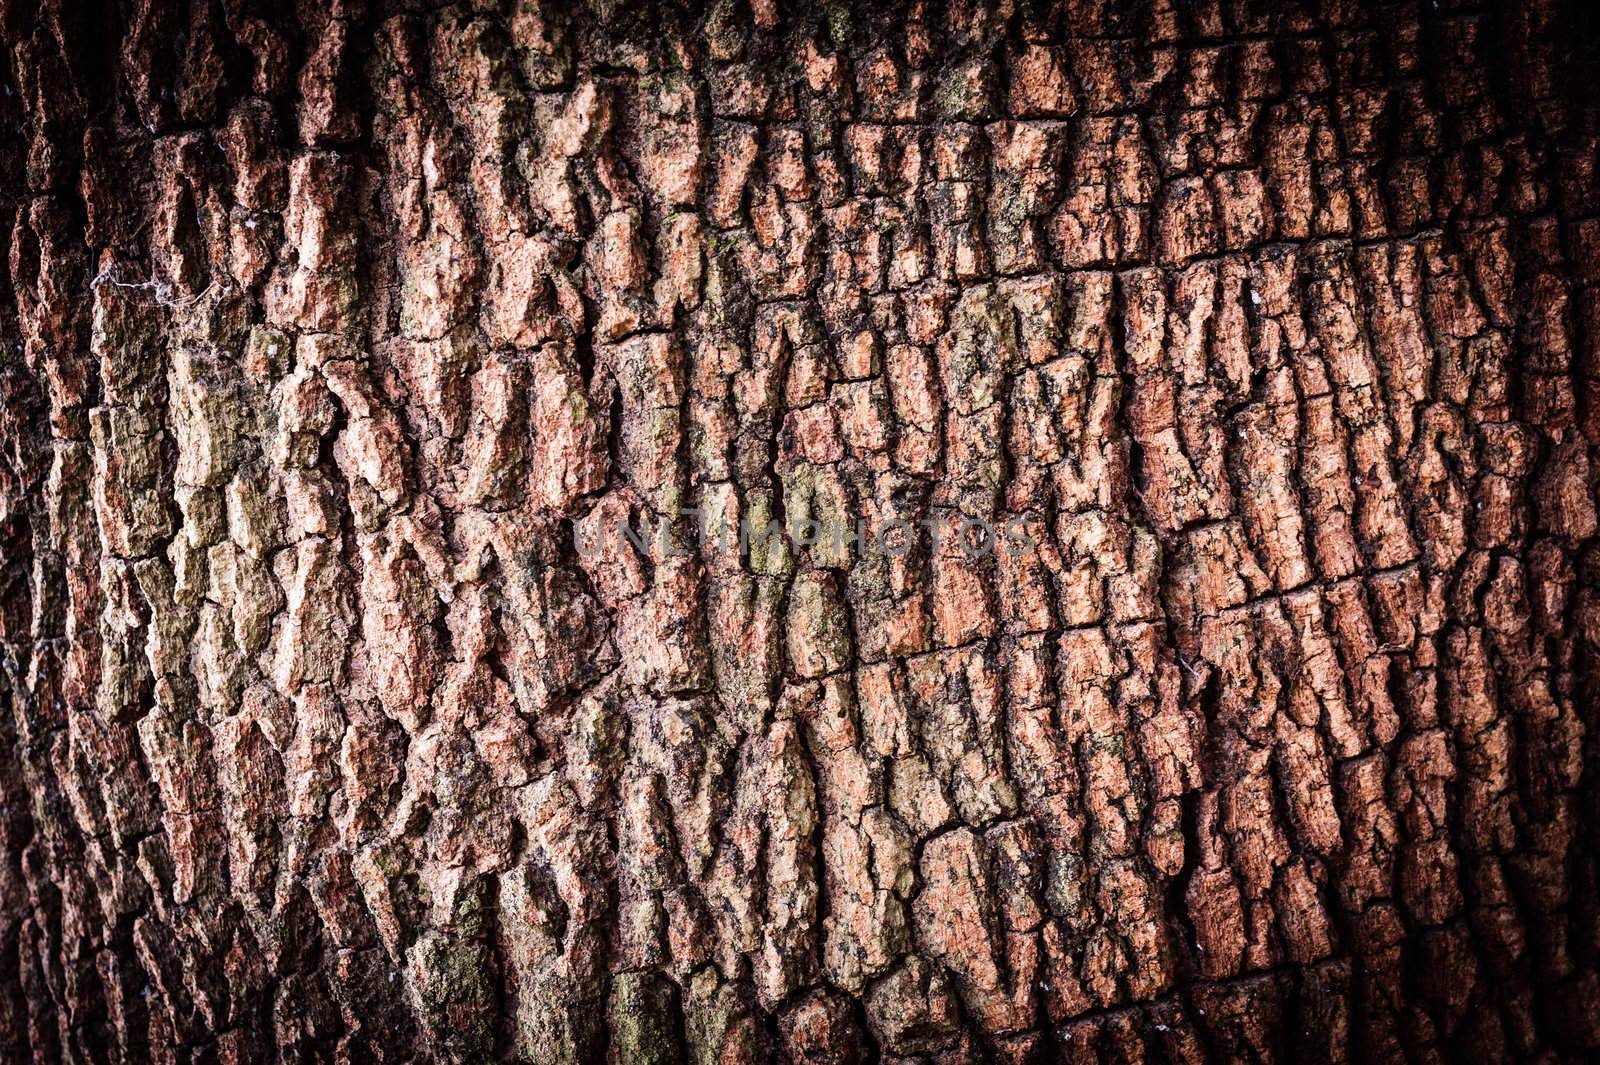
<point x="334" y="334"/>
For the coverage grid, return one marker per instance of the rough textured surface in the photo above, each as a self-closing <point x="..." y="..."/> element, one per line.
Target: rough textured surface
<point x="331" y="332"/>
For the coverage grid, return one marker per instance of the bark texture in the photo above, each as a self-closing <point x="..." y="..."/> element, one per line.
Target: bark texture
<point x="331" y="332"/>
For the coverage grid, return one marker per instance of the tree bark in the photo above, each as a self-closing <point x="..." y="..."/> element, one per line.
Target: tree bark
<point x="344" y="722"/>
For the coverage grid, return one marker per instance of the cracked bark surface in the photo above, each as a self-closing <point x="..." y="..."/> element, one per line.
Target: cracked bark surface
<point x="333" y="331"/>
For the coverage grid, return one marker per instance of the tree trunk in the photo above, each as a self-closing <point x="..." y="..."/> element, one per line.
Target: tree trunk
<point x="1175" y="634"/>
